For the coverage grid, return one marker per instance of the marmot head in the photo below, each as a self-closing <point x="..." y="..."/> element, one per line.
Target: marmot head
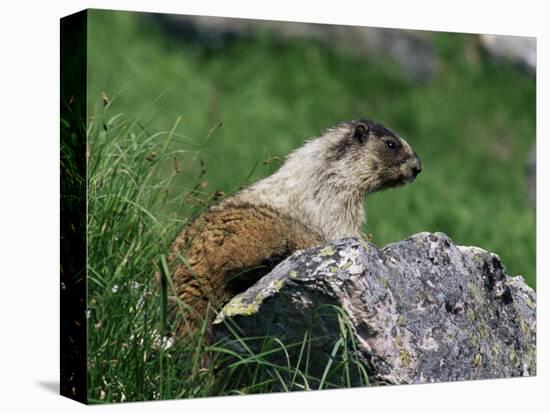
<point x="372" y="156"/>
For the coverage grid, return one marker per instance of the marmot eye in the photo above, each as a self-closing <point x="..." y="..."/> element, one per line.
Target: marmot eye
<point x="391" y="145"/>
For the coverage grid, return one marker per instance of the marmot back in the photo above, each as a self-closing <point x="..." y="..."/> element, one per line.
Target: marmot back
<point x="316" y="196"/>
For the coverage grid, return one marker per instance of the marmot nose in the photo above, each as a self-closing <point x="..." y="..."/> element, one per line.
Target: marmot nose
<point x="417" y="166"/>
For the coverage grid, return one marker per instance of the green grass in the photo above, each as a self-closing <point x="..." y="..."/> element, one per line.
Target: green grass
<point x="473" y="126"/>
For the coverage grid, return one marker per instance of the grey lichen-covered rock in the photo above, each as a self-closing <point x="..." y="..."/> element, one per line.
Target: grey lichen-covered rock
<point x="420" y="310"/>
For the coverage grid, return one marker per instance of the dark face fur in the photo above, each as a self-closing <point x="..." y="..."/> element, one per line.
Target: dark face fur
<point x="380" y="158"/>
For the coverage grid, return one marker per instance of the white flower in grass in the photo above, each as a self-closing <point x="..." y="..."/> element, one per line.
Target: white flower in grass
<point x="162" y="342"/>
<point x="114" y="289"/>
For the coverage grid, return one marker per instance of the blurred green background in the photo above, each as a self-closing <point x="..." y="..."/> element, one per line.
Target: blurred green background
<point x="472" y="122"/>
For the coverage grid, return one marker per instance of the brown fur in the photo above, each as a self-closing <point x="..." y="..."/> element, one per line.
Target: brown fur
<point x="222" y="242"/>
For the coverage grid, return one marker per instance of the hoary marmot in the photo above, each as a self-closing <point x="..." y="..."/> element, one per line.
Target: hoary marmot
<point x="316" y="196"/>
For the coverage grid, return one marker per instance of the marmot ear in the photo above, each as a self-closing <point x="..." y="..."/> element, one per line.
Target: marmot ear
<point x="361" y="132"/>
